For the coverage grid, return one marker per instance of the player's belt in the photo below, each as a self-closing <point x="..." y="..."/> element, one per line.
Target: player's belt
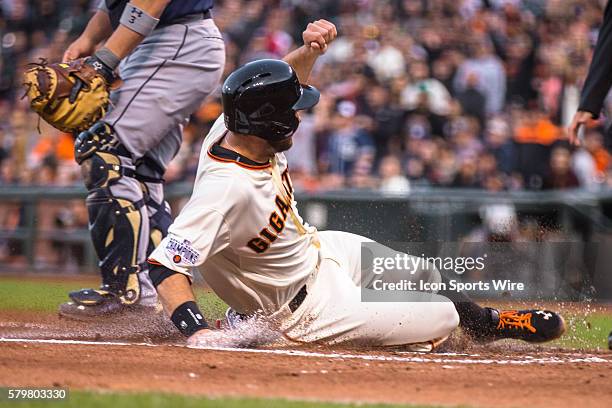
<point x="298" y="299"/>
<point x="189" y="18"/>
<point x="293" y="304"/>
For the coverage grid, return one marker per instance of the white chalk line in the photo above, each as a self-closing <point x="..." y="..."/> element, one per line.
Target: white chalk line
<point x="431" y="358"/>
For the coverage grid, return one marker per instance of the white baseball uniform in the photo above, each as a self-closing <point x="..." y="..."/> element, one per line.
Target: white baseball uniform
<point x="242" y="226"/>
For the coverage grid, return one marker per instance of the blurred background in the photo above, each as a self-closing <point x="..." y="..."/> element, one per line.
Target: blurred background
<point x="440" y="120"/>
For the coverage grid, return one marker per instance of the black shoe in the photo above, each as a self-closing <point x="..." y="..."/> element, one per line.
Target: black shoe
<point x="610" y="341"/>
<point x="534" y="326"/>
<point x="91" y="304"/>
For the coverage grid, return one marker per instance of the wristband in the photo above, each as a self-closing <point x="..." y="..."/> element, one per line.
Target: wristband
<point x="102" y="6"/>
<point x="108" y="58"/>
<point x="138" y="20"/>
<point x="188" y="318"/>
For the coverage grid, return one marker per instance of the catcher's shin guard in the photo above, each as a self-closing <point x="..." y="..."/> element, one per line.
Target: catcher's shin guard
<point x="116" y="215"/>
<point x="115" y="226"/>
<point x="159" y="223"/>
<point x="160" y="215"/>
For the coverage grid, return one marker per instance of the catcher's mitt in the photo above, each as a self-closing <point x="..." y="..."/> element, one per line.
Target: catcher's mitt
<point x="69" y="96"/>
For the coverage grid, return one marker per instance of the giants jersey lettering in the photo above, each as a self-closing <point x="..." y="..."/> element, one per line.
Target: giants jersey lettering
<point x="242" y="230"/>
<point x="277" y="218"/>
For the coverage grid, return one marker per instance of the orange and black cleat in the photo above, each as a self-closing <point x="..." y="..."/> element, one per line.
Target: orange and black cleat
<point x="534" y="326"/>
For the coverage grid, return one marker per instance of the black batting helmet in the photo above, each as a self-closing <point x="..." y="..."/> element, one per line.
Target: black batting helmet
<point x="261" y="98"/>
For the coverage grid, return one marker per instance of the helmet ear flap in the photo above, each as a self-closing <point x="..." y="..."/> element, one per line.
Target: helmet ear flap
<point x="285" y="127"/>
<point x="274" y="127"/>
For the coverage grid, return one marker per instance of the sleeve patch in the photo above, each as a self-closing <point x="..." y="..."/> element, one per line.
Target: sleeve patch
<point x="182" y="252"/>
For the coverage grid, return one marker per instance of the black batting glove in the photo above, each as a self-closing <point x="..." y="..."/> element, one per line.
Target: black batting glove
<point x="101" y="68"/>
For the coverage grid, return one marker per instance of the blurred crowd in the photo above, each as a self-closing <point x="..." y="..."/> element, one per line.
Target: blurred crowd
<point x="415" y="93"/>
<point x="452" y="93"/>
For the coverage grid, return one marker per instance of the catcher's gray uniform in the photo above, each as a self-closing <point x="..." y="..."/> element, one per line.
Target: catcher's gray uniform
<point x="165" y="79"/>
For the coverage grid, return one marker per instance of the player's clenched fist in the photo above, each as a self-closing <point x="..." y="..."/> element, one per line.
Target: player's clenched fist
<point x="319" y="34"/>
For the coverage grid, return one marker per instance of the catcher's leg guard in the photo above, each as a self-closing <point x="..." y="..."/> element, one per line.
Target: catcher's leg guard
<point x="160" y="219"/>
<point x="160" y="215"/>
<point x="116" y="228"/>
<point x="118" y="221"/>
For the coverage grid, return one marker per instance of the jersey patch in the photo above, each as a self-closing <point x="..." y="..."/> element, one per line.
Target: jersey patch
<point x="182" y="252"/>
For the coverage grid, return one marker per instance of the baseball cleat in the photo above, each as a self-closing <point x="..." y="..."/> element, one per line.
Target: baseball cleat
<point x="91" y="304"/>
<point x="610" y="341"/>
<point x="233" y="319"/>
<point x="532" y="325"/>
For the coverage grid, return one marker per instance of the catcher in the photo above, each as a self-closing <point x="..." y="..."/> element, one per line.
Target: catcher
<point x="170" y="56"/>
<point x="242" y="226"/>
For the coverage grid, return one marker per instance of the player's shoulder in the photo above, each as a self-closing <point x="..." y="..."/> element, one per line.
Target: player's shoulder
<point x="221" y="190"/>
<point x="224" y="177"/>
<point x="217" y="130"/>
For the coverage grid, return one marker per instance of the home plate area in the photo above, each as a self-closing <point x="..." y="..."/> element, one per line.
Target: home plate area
<point x="480" y="376"/>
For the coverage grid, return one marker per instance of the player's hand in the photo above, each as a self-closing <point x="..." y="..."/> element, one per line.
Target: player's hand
<point x="212" y="339"/>
<point x="319" y="34"/>
<point x="581" y="118"/>
<point x="81" y="47"/>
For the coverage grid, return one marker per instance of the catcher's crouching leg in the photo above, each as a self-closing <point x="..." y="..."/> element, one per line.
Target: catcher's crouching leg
<point x="118" y="225"/>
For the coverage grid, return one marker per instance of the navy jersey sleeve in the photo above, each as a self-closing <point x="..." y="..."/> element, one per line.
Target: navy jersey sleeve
<point x="173" y="11"/>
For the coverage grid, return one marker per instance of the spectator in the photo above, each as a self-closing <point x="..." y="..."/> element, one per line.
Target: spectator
<point x="534" y="135"/>
<point x="386" y="118"/>
<point x="498" y="141"/>
<point x="392" y="181"/>
<point x="487" y="71"/>
<point x="438" y="97"/>
<point x="439" y="84"/>
<point x="348" y="141"/>
<point x="472" y="100"/>
<point x="467" y="176"/>
<point x="560" y="174"/>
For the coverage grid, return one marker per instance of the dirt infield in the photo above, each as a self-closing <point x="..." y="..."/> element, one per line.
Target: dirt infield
<point x="500" y="375"/>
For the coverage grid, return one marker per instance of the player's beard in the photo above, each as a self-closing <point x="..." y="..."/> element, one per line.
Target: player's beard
<point x="282" y="145"/>
<point x="286" y="143"/>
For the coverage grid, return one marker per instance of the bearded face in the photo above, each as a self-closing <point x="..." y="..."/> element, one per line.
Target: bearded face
<point x="282" y="145"/>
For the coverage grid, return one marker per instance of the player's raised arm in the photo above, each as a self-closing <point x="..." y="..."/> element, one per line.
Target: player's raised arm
<point x="317" y="37"/>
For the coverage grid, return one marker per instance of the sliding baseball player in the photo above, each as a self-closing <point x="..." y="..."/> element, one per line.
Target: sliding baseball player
<point x="242" y="227"/>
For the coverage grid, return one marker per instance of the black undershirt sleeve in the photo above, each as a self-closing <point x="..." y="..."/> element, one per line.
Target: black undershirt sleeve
<point x="599" y="79"/>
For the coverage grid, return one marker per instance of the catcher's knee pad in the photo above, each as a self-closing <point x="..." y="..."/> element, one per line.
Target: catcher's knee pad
<point x="99" y="153"/>
<point x="100" y="137"/>
<point x="115" y="226"/>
